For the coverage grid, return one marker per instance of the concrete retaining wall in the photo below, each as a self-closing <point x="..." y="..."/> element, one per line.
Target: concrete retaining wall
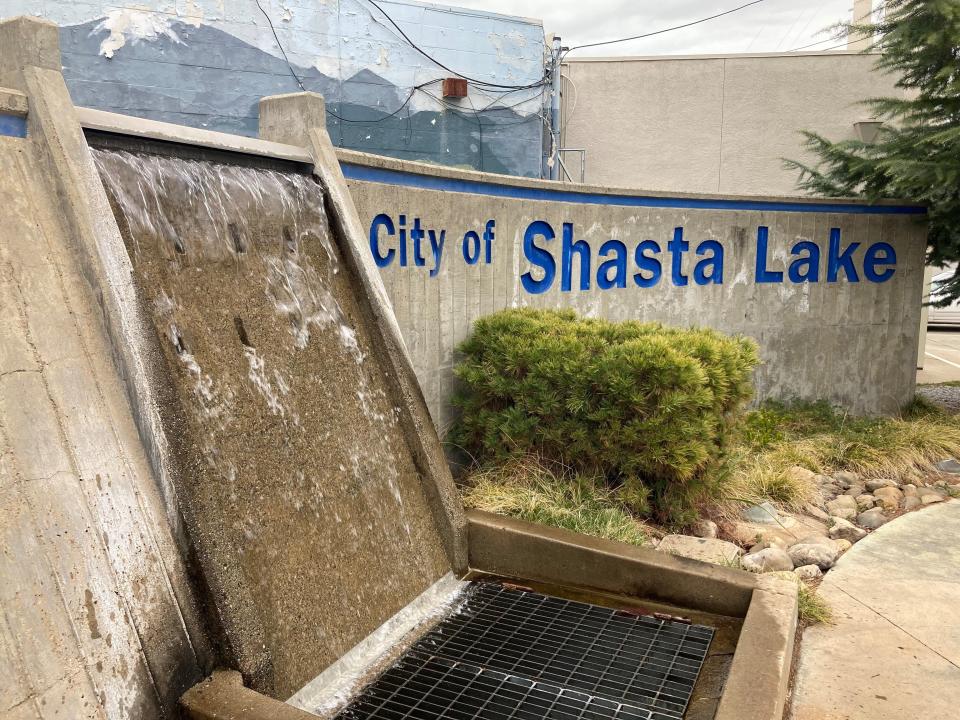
<point x="849" y="337"/>
<point x="99" y="616"/>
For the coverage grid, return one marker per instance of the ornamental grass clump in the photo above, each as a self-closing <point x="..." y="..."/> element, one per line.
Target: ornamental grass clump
<point x="645" y="407"/>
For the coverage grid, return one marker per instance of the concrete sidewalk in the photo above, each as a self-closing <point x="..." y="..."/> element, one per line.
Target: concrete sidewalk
<point x="893" y="651"/>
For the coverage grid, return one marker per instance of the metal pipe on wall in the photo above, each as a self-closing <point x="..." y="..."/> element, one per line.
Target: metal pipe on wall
<point x="554" y="163"/>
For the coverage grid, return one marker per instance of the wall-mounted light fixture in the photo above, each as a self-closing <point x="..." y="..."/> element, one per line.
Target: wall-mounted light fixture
<point x="867" y="130"/>
<point x="454" y="88"/>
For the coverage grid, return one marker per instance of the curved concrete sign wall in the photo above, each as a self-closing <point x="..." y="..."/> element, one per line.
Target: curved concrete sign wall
<point x="830" y="289"/>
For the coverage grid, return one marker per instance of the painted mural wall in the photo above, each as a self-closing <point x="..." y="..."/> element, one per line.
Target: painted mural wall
<point x="206" y="63"/>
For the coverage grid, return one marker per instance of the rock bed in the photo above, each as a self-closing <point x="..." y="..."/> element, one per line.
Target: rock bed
<point x="946" y="396"/>
<point x="847" y="509"/>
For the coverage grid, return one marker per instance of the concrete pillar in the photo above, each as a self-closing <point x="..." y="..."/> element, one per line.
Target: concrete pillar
<point x="88" y="508"/>
<point x="862" y="10"/>
<point x="27" y="42"/>
<point x="289" y="118"/>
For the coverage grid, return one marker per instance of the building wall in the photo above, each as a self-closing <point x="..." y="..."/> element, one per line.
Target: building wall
<point x="712" y="124"/>
<point x="850" y="342"/>
<point x="206" y="63"/>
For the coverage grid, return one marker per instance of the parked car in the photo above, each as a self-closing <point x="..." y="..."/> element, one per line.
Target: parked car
<point x="941" y="316"/>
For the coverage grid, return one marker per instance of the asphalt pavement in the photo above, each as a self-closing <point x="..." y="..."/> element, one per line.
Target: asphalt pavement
<point x="942" y="357"/>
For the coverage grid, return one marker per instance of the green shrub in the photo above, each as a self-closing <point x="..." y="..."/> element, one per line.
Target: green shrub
<point x="646" y="407"/>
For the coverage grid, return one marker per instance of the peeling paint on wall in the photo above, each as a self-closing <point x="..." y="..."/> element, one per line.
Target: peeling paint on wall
<point x="133" y="25"/>
<point x="206" y="63"/>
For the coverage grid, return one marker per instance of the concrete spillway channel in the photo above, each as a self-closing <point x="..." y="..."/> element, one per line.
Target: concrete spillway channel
<point x="216" y="462"/>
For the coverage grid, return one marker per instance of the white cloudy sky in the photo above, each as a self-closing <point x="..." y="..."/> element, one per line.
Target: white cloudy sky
<point x="770" y="26"/>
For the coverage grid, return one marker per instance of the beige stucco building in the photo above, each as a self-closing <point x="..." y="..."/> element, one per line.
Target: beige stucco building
<point x="718" y="123"/>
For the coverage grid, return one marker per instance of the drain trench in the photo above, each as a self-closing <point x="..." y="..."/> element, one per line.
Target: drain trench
<point x="509" y="654"/>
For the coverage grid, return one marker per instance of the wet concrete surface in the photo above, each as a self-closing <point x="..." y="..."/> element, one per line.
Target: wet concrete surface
<point x="303" y="502"/>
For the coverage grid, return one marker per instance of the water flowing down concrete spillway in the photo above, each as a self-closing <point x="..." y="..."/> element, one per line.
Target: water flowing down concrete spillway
<point x="300" y="494"/>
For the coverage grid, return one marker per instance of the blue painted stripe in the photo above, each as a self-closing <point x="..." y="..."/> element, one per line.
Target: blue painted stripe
<point x="13" y="125"/>
<point x="352" y="171"/>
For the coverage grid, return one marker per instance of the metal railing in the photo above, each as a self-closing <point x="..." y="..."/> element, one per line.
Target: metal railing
<point x="583" y="162"/>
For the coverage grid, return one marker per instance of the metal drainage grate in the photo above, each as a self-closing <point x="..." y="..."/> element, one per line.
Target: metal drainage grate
<point x="422" y="687"/>
<point x="522" y="655"/>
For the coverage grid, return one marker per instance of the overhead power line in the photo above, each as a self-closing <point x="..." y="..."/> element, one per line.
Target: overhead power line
<point x="809" y="20"/>
<point x="279" y="45"/>
<point x="844" y="44"/>
<point x="420" y="88"/>
<point x="396" y="112"/>
<point x="665" y="30"/>
<point x="487" y="87"/>
<point x="834" y="39"/>
<point x="436" y="62"/>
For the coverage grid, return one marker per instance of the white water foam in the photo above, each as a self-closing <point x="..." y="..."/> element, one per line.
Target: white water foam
<point x="336" y="686"/>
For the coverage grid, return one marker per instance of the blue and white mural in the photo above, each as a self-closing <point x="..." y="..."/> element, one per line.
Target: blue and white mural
<point x="206" y="63"/>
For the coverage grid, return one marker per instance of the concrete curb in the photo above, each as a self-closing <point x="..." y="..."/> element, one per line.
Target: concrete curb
<point x="759" y="678"/>
<point x="514" y="548"/>
<point x="222" y="696"/>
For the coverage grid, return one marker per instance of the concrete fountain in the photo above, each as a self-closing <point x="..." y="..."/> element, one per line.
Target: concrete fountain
<point x="300" y="477"/>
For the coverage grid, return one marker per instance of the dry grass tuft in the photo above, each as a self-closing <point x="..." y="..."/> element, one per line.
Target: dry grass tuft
<point x="529" y="489"/>
<point x="819" y="438"/>
<point x="812" y="608"/>
<point x="774" y="440"/>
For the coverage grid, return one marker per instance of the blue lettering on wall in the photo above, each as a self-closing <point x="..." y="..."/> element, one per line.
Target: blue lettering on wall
<point x="582" y="249"/>
<point x="714" y="262"/>
<point x="805" y="269"/>
<point x="763" y="274"/>
<point x="436" y="247"/>
<point x="402" y="220"/>
<point x="471" y="247"/>
<point x="840" y="260"/>
<point x="418" y="245"/>
<point x="677" y="247"/>
<point x="538" y="257"/>
<point x="612" y="273"/>
<point x="647" y="264"/>
<point x="416" y="234"/>
<point x="873" y="258"/>
<point x="488" y="238"/>
<point x="382" y="220"/>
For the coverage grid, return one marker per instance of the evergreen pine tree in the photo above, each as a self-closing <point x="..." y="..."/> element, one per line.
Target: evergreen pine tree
<point x="916" y="155"/>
